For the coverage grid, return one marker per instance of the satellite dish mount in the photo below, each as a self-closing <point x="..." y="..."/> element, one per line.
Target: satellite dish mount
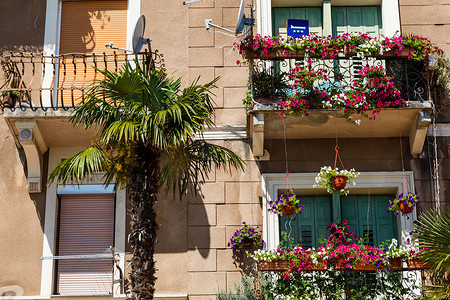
<point x="241" y="22"/>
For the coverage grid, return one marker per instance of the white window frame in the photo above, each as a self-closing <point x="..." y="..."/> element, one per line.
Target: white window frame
<point x="375" y="182"/>
<point x="51" y="230"/>
<point x="390" y="16"/>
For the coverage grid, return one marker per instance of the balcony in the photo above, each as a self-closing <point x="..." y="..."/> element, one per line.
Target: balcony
<point x="41" y="92"/>
<point x="314" y="94"/>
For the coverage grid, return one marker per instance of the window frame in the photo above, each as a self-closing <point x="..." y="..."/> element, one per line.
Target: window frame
<point x="51" y="225"/>
<point x="375" y="182"/>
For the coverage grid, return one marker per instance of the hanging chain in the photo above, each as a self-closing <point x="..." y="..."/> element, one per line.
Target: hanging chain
<point x="285" y="148"/>
<point x="436" y="163"/>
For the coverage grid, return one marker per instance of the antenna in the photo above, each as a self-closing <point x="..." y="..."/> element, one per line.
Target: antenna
<point x="240" y="23"/>
<point x="138" y="40"/>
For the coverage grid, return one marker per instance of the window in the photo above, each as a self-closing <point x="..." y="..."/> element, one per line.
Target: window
<point x="319" y="210"/>
<point x="86" y="227"/>
<point x="282" y="14"/>
<point x="86" y="26"/>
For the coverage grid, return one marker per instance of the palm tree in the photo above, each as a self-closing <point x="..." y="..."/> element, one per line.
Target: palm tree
<point x="150" y="135"/>
<point x="432" y="232"/>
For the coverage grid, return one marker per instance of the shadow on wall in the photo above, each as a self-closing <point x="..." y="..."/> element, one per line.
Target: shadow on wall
<point x="40" y="198"/>
<point x="180" y="228"/>
<point x="24" y="33"/>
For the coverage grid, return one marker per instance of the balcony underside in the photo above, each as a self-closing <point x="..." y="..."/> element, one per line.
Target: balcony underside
<point x="412" y="122"/>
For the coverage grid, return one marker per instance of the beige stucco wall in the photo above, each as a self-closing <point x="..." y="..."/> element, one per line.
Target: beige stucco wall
<point x="23" y="23"/>
<point x="20" y="221"/>
<point x="178" y="31"/>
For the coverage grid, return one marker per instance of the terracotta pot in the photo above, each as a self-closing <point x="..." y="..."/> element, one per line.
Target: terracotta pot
<point x="317" y="268"/>
<point x="404" y="53"/>
<point x="288" y="210"/>
<point x="372" y="82"/>
<point x="339" y="266"/>
<point x="406" y="210"/>
<point x="9" y="100"/>
<point x="339" y="182"/>
<point x="417" y="264"/>
<point x="396" y="263"/>
<point x="365" y="268"/>
<point x="276" y="265"/>
<point x="291" y="54"/>
<point x="348" y="52"/>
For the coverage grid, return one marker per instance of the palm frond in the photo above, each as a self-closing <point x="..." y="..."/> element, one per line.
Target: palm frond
<point x="74" y="169"/>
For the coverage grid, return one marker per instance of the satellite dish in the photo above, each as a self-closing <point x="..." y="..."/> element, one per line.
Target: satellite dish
<point x="138" y="40"/>
<point x="241" y="19"/>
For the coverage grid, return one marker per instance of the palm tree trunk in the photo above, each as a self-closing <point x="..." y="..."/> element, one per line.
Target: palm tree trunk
<point x="142" y="192"/>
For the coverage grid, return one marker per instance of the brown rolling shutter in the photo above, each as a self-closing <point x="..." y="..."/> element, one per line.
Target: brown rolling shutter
<point x="86" y="26"/>
<point x="86" y="226"/>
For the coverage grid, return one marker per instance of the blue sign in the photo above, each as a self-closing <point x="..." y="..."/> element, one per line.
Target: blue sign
<point x="297" y="28"/>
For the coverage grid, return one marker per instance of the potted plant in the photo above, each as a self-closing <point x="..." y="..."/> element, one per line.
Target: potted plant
<point x="287" y="205"/>
<point x="403" y="203"/>
<point x="374" y="75"/>
<point x="395" y="254"/>
<point x="335" y="180"/>
<point x="269" y="86"/>
<point x="246" y="236"/>
<point x="10" y="98"/>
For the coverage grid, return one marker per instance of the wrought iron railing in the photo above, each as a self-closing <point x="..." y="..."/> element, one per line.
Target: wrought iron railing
<point x="37" y="81"/>
<point x="411" y="78"/>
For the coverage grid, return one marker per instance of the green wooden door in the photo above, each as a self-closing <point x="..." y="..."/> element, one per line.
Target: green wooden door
<point x="367" y="215"/>
<point x="282" y="14"/>
<point x="310" y="224"/>
<point x="356" y="19"/>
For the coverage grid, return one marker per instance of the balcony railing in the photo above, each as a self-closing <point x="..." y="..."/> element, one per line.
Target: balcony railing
<point x="37" y="81"/>
<point x="410" y="77"/>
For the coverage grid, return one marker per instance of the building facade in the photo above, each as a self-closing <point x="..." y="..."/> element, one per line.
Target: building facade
<point x="39" y="224"/>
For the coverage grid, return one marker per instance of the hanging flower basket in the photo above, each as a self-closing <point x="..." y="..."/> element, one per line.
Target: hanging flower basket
<point x="405" y="209"/>
<point x="335" y="180"/>
<point x="287" y="205"/>
<point x="403" y="203"/>
<point x="339" y="182"/>
<point x="287" y="210"/>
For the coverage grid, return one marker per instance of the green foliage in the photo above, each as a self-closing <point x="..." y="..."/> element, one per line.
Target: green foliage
<point x="432" y="232"/>
<point x="11" y="93"/>
<point x="137" y="108"/>
<point x="246" y="290"/>
<point x="268" y="83"/>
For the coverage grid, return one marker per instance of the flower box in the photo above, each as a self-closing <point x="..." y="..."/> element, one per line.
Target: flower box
<point x="313" y="268"/>
<point x="364" y="268"/>
<point x="276" y="265"/>
<point x="417" y="264"/>
<point x="396" y="263"/>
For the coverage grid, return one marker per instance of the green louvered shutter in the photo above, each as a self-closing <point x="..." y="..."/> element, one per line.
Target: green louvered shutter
<point x="356" y="19"/>
<point x="310" y="224"/>
<point x="371" y="219"/>
<point x="281" y="14"/>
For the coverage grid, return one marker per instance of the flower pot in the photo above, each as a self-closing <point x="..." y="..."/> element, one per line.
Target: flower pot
<point x="291" y="54"/>
<point x="348" y="52"/>
<point x="9" y="100"/>
<point x="417" y="264"/>
<point x="364" y="268"/>
<point x="372" y="82"/>
<point x="276" y="265"/>
<point x="339" y="182"/>
<point x="396" y="263"/>
<point x="404" y="53"/>
<point x="339" y="266"/>
<point x="288" y="210"/>
<point x="406" y="209"/>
